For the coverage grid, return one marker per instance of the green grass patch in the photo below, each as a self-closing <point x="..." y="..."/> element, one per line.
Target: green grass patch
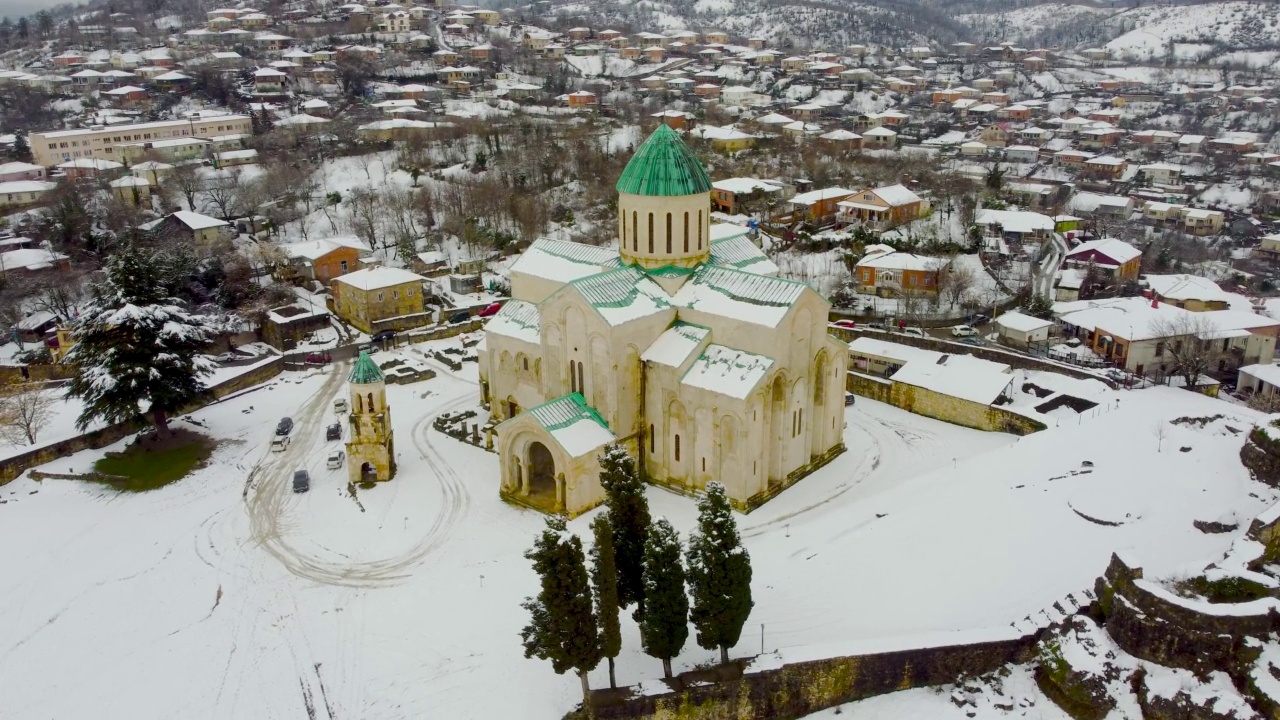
<point x="151" y="463"/>
<point x="1225" y="590"/>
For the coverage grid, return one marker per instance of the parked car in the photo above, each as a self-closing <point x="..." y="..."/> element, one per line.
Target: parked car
<point x="225" y="357"/>
<point x="491" y="310"/>
<point x="963" y="331"/>
<point x="978" y="319"/>
<point x="974" y="341"/>
<point x="366" y="348"/>
<point x="301" y="481"/>
<point x="845" y="323"/>
<point x="914" y="332"/>
<point x="460" y="317"/>
<point x="279" y="444"/>
<point x="333" y="432"/>
<point x="285" y="426"/>
<point x="849" y="398"/>
<point x="335" y="459"/>
<point x="340" y="405"/>
<point x="384" y="336"/>
<point x="318" y="358"/>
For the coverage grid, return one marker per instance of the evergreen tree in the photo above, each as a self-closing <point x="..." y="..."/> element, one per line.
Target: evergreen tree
<point x="719" y="570"/>
<point x="21" y="149"/>
<point x="137" y="344"/>
<point x="665" y="624"/>
<point x="629" y="514"/>
<point x="562" y="625"/>
<point x="604" y="576"/>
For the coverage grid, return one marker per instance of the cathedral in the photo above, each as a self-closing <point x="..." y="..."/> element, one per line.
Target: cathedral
<point x="681" y="344"/>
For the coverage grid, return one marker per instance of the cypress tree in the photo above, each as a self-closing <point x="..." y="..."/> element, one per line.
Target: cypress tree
<point x="719" y="574"/>
<point x="604" y="576"/>
<point x="665" y="624"/>
<point x="137" y="344"/>
<point x="629" y="515"/>
<point x="562" y="625"/>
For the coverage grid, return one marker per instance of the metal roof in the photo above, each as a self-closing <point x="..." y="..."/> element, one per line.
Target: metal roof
<point x="365" y="371"/>
<point x="664" y="166"/>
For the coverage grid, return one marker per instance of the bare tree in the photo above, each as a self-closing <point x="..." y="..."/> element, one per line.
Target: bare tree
<point x="1161" y="431"/>
<point x="184" y="180"/>
<point x="955" y="280"/>
<point x="366" y="214"/>
<point x="223" y="193"/>
<point x="25" y="410"/>
<point x="1185" y="342"/>
<point x="60" y="294"/>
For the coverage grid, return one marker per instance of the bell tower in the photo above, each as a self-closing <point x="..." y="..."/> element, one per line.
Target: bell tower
<point x="370" y="445"/>
<point x="664" y="205"/>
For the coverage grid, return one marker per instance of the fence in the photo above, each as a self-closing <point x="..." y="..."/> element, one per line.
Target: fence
<point x="12" y="467"/>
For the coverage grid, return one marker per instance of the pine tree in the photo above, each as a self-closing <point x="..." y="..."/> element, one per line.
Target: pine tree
<point x="562" y="626"/>
<point x="136" y="344"/>
<point x="665" y="624"/>
<point x="604" y="576"/>
<point x="719" y="570"/>
<point x="629" y="514"/>
<point x="21" y="149"/>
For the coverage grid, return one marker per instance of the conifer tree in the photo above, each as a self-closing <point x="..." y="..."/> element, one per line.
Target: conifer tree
<point x="629" y="515"/>
<point x="562" y="626"/>
<point x="604" y="576"/>
<point x="719" y="570"/>
<point x="136" y="344"/>
<point x="21" y="148"/>
<point x="665" y="624"/>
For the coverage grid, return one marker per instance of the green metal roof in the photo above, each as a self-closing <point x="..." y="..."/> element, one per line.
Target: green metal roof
<point x="669" y="271"/>
<point x="664" y="166"/>
<point x="566" y="410"/>
<point x="365" y="372"/>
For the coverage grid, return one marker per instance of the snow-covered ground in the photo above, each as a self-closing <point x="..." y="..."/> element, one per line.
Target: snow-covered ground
<point x="226" y="595"/>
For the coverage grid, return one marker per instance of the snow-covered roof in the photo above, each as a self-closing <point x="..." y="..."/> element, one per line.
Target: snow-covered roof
<point x="901" y="261"/>
<point x="960" y="376"/>
<point x="1015" y="221"/>
<point x="1267" y="373"/>
<point x="376" y="278"/>
<point x="1187" y="287"/>
<point x="622" y="295"/>
<point x="574" y="425"/>
<point x="676" y="345"/>
<point x="727" y="371"/>
<point x="736" y="250"/>
<point x="90" y="164"/>
<point x="896" y="195"/>
<point x="748" y="297"/>
<point x="815" y="196"/>
<point x="1118" y="250"/>
<point x="29" y="259"/>
<point x="563" y="261"/>
<point x="518" y="320"/>
<point x="1020" y="322"/>
<point x="195" y="220"/>
<point x="745" y="185"/>
<point x="314" y="249"/>
<point x="26" y="186"/>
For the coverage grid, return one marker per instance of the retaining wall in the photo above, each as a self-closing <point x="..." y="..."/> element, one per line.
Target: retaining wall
<point x="12" y="467"/>
<point x="799" y="689"/>
<point x="939" y="406"/>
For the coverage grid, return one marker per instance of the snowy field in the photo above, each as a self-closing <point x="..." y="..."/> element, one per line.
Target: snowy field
<point x="228" y="596"/>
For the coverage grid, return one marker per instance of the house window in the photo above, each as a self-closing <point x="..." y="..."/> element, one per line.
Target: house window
<point x="1159" y="349"/>
<point x="408" y="293"/>
<point x="379" y="297"/>
<point x="525" y="363"/>
<point x="677" y="448"/>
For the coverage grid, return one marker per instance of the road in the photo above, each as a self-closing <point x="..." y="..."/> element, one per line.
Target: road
<point x="1046" y="270"/>
<point x="269" y="491"/>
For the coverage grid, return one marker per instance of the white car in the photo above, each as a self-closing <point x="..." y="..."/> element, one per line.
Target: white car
<point x="336" y="458"/>
<point x="225" y="357"/>
<point x="279" y="443"/>
<point x="340" y="405"/>
<point x="964" y="331"/>
<point x="914" y="332"/>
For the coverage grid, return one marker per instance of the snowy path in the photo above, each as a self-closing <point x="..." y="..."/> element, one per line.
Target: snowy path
<point x="1046" y="270"/>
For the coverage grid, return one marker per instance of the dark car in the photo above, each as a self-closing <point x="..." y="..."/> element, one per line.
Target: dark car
<point x="333" y="432"/>
<point x="285" y="426"/>
<point x="491" y="310"/>
<point x="301" y="481"/>
<point x="384" y="336"/>
<point x="318" y="358"/>
<point x="849" y="398"/>
<point x="978" y="319"/>
<point x="460" y="317"/>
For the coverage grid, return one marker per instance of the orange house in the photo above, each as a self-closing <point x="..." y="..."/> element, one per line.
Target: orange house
<point x="946" y="97"/>
<point x="581" y="98"/>
<point x="885" y="272"/>
<point x="325" y="259"/>
<point x="818" y="204"/>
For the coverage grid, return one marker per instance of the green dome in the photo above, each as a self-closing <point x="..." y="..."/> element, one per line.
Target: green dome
<point x="365" y="372"/>
<point x="664" y="166"/>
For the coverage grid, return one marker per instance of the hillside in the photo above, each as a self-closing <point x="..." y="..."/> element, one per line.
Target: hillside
<point x="798" y="24"/>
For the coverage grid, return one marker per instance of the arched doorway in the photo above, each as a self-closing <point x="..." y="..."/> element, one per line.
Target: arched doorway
<point x="368" y="472"/>
<point x="542" y="472"/>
